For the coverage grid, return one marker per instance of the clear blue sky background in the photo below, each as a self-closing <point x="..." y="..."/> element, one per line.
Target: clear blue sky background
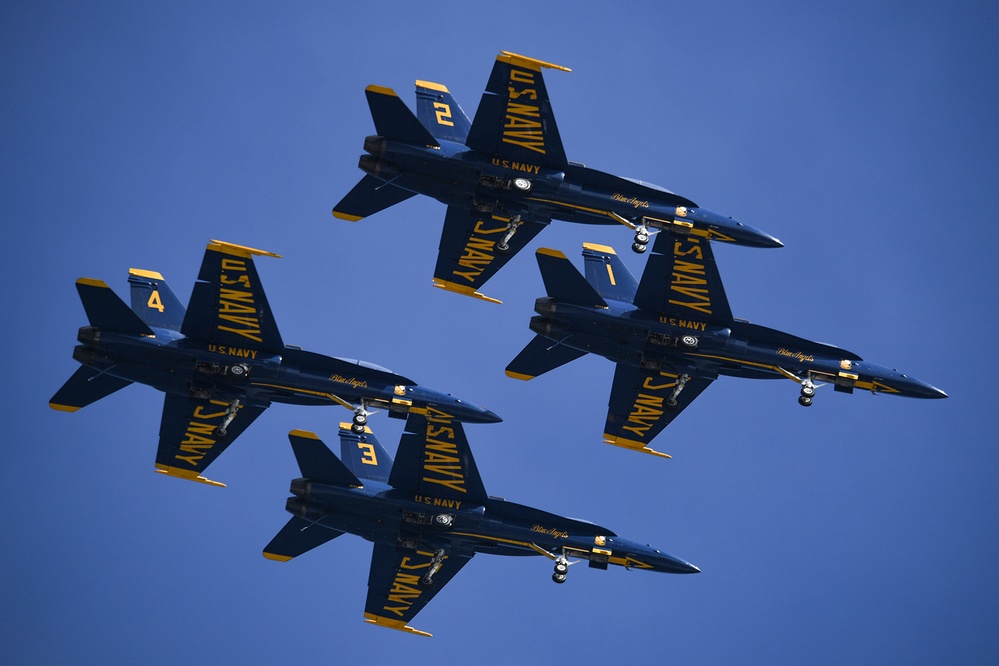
<point x="862" y="530"/>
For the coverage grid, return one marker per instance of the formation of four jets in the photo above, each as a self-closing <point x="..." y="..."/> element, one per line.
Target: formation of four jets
<point x="504" y="176"/>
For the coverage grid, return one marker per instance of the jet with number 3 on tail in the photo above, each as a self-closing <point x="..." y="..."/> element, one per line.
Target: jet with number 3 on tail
<point x="428" y="514"/>
<point x="221" y="362"/>
<point x="671" y="335"/>
<point x="504" y="176"/>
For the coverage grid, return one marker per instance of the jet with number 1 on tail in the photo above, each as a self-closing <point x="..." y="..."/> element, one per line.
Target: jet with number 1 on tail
<point x="671" y="335"/>
<point x="504" y="176"/>
<point x="221" y="362"/>
<point x="428" y="514"/>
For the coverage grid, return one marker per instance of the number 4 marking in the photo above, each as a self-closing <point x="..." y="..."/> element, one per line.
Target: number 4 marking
<point x="154" y="301"/>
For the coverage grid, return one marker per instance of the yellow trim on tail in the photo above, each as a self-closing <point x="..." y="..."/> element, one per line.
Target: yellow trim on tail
<point x="276" y="557"/>
<point x="238" y="250"/>
<point x="464" y="290"/>
<point x="529" y="62"/>
<point x="633" y="445"/>
<point x="547" y="251"/>
<point x="432" y="86"/>
<point x="389" y="623"/>
<point x="344" y="216"/>
<point x="187" y="474"/>
<point x="606" y="249"/>
<point x="140" y="272"/>
<point x="381" y="90"/>
<point x="92" y="282"/>
<point x="305" y="434"/>
<point x="344" y="425"/>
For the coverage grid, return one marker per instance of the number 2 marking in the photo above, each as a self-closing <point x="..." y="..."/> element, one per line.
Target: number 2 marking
<point x="443" y="114"/>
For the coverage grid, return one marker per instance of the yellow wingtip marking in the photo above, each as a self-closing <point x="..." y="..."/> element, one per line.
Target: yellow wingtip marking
<point x="305" y="434"/>
<point x="63" y="408"/>
<point x="547" y="251"/>
<point x="140" y="272"/>
<point x="93" y="282"/>
<point x="430" y="85"/>
<point x="606" y="249"/>
<point x="464" y="290"/>
<point x="276" y="557"/>
<point x="633" y="445"/>
<point x="346" y="216"/>
<point x="381" y="90"/>
<point x="238" y="250"/>
<point x="389" y="623"/>
<point x="529" y="62"/>
<point x="187" y="474"/>
<point x="520" y="376"/>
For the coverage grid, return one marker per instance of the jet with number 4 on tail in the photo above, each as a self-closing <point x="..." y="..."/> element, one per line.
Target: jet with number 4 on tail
<point x="671" y="335"/>
<point x="428" y="514"/>
<point x="504" y="176"/>
<point x="221" y="362"/>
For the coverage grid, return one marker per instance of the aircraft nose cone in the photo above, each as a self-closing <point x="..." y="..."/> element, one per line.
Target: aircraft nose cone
<point x="676" y="565"/>
<point x="462" y="410"/>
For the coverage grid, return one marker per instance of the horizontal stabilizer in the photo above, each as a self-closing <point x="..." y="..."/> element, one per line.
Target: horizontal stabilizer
<point x="393" y="119"/>
<point x="368" y="197"/>
<point x="564" y="282"/>
<point x="364" y="455"/>
<point x="318" y="463"/>
<point x="154" y="301"/>
<point x="87" y="385"/>
<point x="539" y="356"/>
<point x="296" y="537"/>
<point x="105" y="310"/>
<point x="439" y="112"/>
<point x="607" y="274"/>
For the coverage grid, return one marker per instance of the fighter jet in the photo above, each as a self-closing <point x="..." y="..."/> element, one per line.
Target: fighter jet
<point x="221" y="362"/>
<point x="505" y="176"/>
<point x="427" y="515"/>
<point x="672" y="335"/>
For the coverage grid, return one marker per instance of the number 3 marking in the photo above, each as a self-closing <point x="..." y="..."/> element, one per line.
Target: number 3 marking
<point x="369" y="453"/>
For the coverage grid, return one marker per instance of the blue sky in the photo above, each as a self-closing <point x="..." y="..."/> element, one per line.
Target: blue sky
<point x="861" y="530"/>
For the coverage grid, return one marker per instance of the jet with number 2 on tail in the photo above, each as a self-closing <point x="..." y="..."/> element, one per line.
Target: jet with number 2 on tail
<point x="428" y="513"/>
<point x="221" y="362"/>
<point x="672" y="335"/>
<point x="504" y="176"/>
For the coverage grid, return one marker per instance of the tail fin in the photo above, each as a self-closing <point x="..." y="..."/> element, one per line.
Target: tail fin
<point x="539" y="356"/>
<point x="154" y="301"/>
<point x="440" y="113"/>
<point x="364" y="455"/>
<point x="87" y="385"/>
<point x="393" y="119"/>
<point x="564" y="282"/>
<point x="318" y="463"/>
<point x="106" y="311"/>
<point x="607" y="274"/>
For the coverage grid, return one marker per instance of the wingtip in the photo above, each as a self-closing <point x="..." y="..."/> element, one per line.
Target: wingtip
<point x="633" y="445"/>
<point x="389" y="623"/>
<point x="277" y="558"/>
<point x="464" y="291"/>
<point x="63" y="408"/>
<point x="346" y="216"/>
<point x="517" y="375"/>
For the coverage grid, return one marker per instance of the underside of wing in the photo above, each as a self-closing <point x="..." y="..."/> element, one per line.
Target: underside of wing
<point x="514" y="119"/>
<point x="682" y="279"/>
<point x="228" y="305"/>
<point x="395" y="591"/>
<point x="539" y="356"/>
<point x="86" y="386"/>
<point x="369" y="196"/>
<point x="639" y="406"/>
<point x="470" y="245"/>
<point x="435" y="460"/>
<point x="296" y="537"/>
<point x="190" y="439"/>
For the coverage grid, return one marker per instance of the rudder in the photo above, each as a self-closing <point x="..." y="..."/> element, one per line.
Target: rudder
<point x="440" y="113"/>
<point x="154" y="301"/>
<point x="364" y="455"/>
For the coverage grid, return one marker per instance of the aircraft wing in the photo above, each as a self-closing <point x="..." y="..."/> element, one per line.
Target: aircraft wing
<point x="637" y="410"/>
<point x="468" y="255"/>
<point x="228" y="306"/>
<point x="514" y="119"/>
<point x="434" y="460"/>
<point x="395" y="594"/>
<point x="188" y="439"/>
<point x="681" y="279"/>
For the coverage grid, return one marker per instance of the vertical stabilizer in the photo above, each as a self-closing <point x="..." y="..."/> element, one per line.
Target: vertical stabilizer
<point x="364" y="455"/>
<point x="154" y="301"/>
<point x="440" y="113"/>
